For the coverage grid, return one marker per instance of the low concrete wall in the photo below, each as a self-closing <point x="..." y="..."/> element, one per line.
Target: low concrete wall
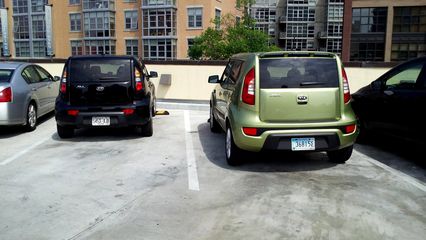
<point x="190" y="81"/>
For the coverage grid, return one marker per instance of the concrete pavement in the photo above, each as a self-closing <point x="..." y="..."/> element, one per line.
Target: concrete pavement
<point x="112" y="184"/>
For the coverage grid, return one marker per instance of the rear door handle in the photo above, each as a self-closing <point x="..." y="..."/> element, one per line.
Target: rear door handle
<point x="33" y="89"/>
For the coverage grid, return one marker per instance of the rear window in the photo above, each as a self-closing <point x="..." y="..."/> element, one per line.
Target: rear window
<point x="84" y="70"/>
<point x="298" y="73"/>
<point x="5" y="75"/>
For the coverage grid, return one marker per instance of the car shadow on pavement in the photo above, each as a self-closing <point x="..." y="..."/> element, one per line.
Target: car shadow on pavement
<point x="12" y="131"/>
<point x="398" y="154"/>
<point x="100" y="135"/>
<point x="213" y="145"/>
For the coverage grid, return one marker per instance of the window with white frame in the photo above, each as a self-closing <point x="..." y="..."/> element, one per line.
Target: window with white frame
<point x="195" y="17"/>
<point x="75" y="22"/>
<point x="76" y="47"/>
<point x="217" y="17"/>
<point x="131" y="19"/>
<point x="132" y="47"/>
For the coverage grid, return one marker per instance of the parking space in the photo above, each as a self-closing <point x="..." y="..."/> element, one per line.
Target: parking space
<point x="113" y="184"/>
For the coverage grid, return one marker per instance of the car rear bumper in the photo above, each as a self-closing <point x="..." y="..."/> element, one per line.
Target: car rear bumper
<point x="11" y="114"/>
<point x="140" y="116"/>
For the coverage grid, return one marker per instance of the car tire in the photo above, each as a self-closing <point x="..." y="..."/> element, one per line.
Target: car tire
<point x="146" y="130"/>
<point x="154" y="107"/>
<point x="214" y="125"/>
<point x="341" y="155"/>
<point x="234" y="155"/>
<point x="31" y="118"/>
<point x="65" y="132"/>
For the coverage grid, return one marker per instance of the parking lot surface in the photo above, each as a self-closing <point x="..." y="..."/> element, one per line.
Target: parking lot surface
<point x="112" y="184"/>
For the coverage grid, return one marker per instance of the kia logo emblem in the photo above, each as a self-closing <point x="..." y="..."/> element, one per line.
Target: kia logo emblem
<point x="302" y="99"/>
<point x="100" y="89"/>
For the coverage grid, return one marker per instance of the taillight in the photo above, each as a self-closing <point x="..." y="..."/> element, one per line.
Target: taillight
<point x="128" y="111"/>
<point x="138" y="80"/>
<point x="73" y="112"/>
<point x="346" y="91"/>
<point x="350" y="128"/>
<point x="248" y="95"/>
<point x="6" y="95"/>
<point x="63" y="87"/>
<point x="250" y="131"/>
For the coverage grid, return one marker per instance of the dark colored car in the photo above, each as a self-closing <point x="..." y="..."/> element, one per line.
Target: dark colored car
<point x="105" y="91"/>
<point x="394" y="103"/>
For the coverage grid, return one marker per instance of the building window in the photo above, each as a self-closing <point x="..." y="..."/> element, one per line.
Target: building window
<point x="195" y="17"/>
<point x="334" y="45"/>
<point x="94" y="47"/>
<point x="367" y="20"/>
<point x="75" y="22"/>
<point x="158" y="2"/>
<point x="367" y="51"/>
<point x="39" y="26"/>
<point x="38" y="5"/>
<point x="99" y="4"/>
<point x="335" y="12"/>
<point x="74" y="2"/>
<point x="159" y="22"/>
<point x="22" y="49"/>
<point x="132" y="47"/>
<point x="131" y="20"/>
<point x="406" y="51"/>
<point x="297" y="13"/>
<point x="190" y="42"/>
<point x="409" y="19"/>
<point x="99" y="24"/>
<point x="76" y="47"/>
<point x="159" y="49"/>
<point x="20" y="6"/>
<point x="21" y="27"/>
<point x="2" y="3"/>
<point x="335" y="29"/>
<point x="39" y="48"/>
<point x="217" y="18"/>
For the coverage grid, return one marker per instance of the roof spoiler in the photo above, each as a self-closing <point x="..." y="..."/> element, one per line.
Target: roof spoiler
<point x="297" y="54"/>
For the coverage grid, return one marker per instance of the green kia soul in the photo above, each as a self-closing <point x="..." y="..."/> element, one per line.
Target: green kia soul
<point x="290" y="101"/>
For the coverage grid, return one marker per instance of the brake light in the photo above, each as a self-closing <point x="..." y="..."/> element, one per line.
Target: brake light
<point x="248" y="95"/>
<point x="6" y="95"/>
<point x="346" y="91"/>
<point x="250" y="131"/>
<point x="350" y="128"/>
<point x="73" y="112"/>
<point x="128" y="111"/>
<point x="63" y="87"/>
<point x="138" y="80"/>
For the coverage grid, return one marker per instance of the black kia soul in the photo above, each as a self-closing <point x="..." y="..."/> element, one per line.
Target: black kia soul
<point x="105" y="91"/>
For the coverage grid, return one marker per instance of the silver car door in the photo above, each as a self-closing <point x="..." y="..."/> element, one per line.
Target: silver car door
<point x="52" y="87"/>
<point x="38" y="88"/>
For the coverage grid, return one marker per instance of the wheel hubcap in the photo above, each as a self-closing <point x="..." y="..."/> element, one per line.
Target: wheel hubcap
<point x="32" y="116"/>
<point x="228" y="143"/>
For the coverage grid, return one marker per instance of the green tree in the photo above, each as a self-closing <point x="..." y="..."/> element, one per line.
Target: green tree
<point x="233" y="37"/>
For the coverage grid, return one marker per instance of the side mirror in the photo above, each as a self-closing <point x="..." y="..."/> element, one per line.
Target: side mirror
<point x="153" y="74"/>
<point x="214" y="79"/>
<point x="376" y="85"/>
<point x="56" y="78"/>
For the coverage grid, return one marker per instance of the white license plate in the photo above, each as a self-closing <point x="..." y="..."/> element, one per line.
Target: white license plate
<point x="100" y="121"/>
<point x="302" y="144"/>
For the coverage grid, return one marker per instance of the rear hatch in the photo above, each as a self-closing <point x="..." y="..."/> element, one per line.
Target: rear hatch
<point x="100" y="82"/>
<point x="299" y="89"/>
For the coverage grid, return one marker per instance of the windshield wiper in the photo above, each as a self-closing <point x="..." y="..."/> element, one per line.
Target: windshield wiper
<point x="311" y="83"/>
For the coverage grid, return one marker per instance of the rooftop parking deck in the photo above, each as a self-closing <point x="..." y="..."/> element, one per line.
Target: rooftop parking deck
<point x="112" y="184"/>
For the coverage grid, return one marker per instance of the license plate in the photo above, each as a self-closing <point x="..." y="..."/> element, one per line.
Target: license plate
<point x="302" y="144"/>
<point x="100" y="121"/>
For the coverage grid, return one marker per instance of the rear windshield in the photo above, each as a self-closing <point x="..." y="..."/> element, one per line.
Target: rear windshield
<point x="298" y="73"/>
<point x="84" y="70"/>
<point x="5" y="75"/>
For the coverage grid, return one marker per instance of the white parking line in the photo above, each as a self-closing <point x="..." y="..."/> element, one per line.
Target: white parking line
<point x="190" y="156"/>
<point x="21" y="153"/>
<point x="396" y="173"/>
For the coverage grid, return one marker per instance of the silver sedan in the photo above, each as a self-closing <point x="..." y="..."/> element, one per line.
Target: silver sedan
<point x="27" y="92"/>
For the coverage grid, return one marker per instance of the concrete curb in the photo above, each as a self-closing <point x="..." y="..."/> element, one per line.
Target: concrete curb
<point x="183" y="106"/>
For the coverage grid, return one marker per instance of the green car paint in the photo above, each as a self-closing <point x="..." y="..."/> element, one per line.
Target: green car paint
<point x="283" y="113"/>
